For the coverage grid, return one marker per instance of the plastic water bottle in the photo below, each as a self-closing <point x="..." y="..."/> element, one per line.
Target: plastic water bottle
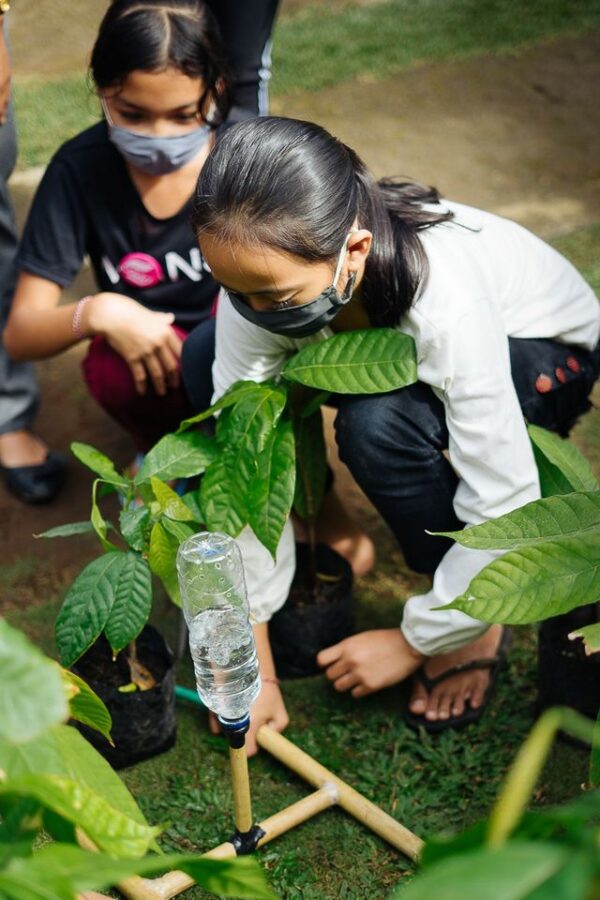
<point x="215" y="606"/>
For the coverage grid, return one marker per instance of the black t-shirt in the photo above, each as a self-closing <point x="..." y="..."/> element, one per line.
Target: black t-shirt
<point x="87" y="204"/>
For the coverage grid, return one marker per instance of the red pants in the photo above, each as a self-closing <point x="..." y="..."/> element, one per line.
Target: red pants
<point x="146" y="417"/>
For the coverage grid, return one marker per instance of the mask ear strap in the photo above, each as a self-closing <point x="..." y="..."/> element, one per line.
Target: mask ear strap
<point x="107" y="115"/>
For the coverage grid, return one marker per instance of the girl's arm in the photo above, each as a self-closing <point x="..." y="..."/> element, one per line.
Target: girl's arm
<point x="39" y="327"/>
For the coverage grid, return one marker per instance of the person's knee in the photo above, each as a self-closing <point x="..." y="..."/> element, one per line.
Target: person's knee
<point x="197" y="357"/>
<point x="107" y="375"/>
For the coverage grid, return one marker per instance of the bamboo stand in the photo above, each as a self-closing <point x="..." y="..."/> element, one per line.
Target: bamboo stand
<point x="331" y="790"/>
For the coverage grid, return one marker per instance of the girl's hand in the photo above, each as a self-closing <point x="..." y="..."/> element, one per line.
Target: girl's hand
<point x="370" y="661"/>
<point x="143" y="338"/>
<point x="268" y="709"/>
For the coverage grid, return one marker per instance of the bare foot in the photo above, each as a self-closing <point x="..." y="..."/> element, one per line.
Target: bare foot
<point x="336" y="528"/>
<point x="450" y="697"/>
<point x="21" y="448"/>
<point x="370" y="661"/>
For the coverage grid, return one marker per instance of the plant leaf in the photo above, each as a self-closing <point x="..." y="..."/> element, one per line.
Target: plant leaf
<point x="134" y="524"/>
<point x="236" y="392"/>
<point x="368" y="361"/>
<point x="85" y="705"/>
<point x="536" y="582"/>
<point x="561" y="464"/>
<point x="541" y="520"/>
<point x="110" y="829"/>
<point x="271" y="492"/>
<point x="311" y="465"/>
<point x="32" y="696"/>
<point x="85" y="871"/>
<point x="170" y="503"/>
<point x="87" y="606"/>
<point x="67" y="530"/>
<point x="64" y="751"/>
<point x="511" y="873"/>
<point x="98" y="463"/>
<point x="223" y="493"/>
<point x="178" y="456"/>
<point x="99" y="524"/>
<point x="591" y="637"/>
<point x="254" y="416"/>
<point x="161" y="558"/>
<point x="132" y="602"/>
<point x="191" y="501"/>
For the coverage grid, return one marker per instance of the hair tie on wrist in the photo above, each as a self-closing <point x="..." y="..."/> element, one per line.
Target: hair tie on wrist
<point x="77" y="315"/>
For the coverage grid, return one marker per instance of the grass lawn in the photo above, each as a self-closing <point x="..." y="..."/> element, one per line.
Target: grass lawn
<point x="431" y="785"/>
<point x="319" y="45"/>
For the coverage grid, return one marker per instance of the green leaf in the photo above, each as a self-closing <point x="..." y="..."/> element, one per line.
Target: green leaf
<point x="21" y="881"/>
<point x="109" y="828"/>
<point x="178" y="456"/>
<point x="134" y="525"/>
<point x="370" y="361"/>
<point x="311" y="463"/>
<point x="236" y="392"/>
<point x="536" y="582"/>
<point x="541" y="520"/>
<point x="161" y="558"/>
<point x="591" y="637"/>
<point x="191" y="501"/>
<point x="99" y="524"/>
<point x="64" y="751"/>
<point x="85" y="705"/>
<point x="132" y="602"/>
<point x="509" y="873"/>
<point x="32" y="696"/>
<point x="170" y="503"/>
<point x="555" y="453"/>
<point x="253" y="418"/>
<point x="223" y="492"/>
<point x="518" y="786"/>
<point x="98" y="463"/>
<point x="180" y="530"/>
<point x="88" y="605"/>
<point x="67" y="530"/>
<point x="241" y="877"/>
<point x="271" y="492"/>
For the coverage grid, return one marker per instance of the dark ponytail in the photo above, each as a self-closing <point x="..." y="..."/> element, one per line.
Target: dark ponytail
<point x="294" y="187"/>
<point x="154" y="35"/>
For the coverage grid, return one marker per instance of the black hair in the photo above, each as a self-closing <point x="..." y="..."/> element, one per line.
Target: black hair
<point x="292" y="186"/>
<point x="153" y="35"/>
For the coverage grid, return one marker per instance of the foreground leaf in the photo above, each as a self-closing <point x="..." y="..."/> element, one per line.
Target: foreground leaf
<point x="32" y="696"/>
<point x="511" y="873"/>
<point x="237" y="391"/>
<point x="370" y="361"/>
<point x="85" y="705"/>
<point x="98" y="463"/>
<point x="561" y="464"/>
<point x="271" y="493"/>
<point x="573" y="515"/>
<point x="536" y="582"/>
<point x="109" y="829"/>
<point x="178" y="456"/>
<point x="67" y="530"/>
<point x="240" y="877"/>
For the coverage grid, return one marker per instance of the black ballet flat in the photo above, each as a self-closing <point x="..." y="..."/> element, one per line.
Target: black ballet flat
<point x="36" y="484"/>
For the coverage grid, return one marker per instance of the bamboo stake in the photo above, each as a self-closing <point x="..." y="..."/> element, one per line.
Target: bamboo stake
<point x="240" y="782"/>
<point x="348" y="798"/>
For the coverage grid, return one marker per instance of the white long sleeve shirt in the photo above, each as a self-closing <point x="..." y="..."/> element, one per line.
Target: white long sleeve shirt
<point x="489" y="279"/>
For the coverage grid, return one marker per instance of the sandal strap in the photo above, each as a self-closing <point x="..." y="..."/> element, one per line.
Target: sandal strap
<point x="430" y="683"/>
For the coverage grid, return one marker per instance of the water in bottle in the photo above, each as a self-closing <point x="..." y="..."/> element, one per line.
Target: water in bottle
<point x="215" y="605"/>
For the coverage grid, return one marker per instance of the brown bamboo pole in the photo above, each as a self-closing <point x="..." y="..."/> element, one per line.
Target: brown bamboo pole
<point x="349" y="799"/>
<point x="240" y="782"/>
<point x="174" y="883"/>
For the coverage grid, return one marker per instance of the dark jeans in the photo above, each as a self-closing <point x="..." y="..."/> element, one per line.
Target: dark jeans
<point x="392" y="443"/>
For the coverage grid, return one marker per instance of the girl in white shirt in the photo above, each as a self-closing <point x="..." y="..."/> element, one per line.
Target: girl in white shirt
<point x="306" y="242"/>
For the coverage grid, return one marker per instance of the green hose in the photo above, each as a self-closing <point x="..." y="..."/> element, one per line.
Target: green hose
<point x="183" y="693"/>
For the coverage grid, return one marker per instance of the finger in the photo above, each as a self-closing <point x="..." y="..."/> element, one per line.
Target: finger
<point x="251" y="745"/>
<point x="170" y="365"/>
<point x="361" y="691"/>
<point x="347" y="681"/>
<point x="337" y="669"/>
<point x="330" y="654"/>
<point x="139" y="375"/>
<point x="213" y="724"/>
<point x="157" y="373"/>
<point x="174" y="343"/>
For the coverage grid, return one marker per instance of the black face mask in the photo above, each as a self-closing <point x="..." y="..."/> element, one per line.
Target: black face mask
<point x="300" y="321"/>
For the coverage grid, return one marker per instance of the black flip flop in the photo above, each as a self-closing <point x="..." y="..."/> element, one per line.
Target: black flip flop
<point x="494" y="663"/>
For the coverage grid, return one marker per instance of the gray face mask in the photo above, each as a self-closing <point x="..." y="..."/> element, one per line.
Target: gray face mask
<point x="300" y="321"/>
<point x="156" y="155"/>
